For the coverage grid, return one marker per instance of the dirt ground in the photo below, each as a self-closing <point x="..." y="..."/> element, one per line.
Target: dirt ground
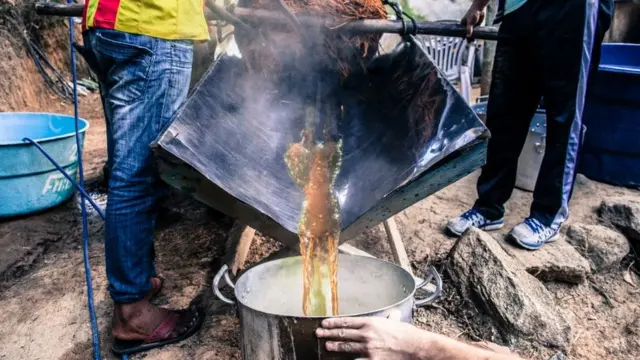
<point x="43" y="287"/>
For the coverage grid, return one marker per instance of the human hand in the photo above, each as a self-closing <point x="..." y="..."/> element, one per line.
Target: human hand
<point x="374" y="338"/>
<point x="474" y="17"/>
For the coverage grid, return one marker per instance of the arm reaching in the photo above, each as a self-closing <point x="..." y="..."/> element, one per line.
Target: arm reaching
<point x="389" y="339"/>
<point x="474" y="16"/>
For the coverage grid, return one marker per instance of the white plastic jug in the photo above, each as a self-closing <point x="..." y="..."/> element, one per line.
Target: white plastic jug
<point x="532" y="153"/>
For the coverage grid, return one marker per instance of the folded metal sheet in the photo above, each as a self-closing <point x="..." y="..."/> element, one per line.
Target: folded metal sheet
<point x="400" y="118"/>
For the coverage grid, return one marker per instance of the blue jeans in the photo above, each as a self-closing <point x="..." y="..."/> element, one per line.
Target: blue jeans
<point x="144" y="81"/>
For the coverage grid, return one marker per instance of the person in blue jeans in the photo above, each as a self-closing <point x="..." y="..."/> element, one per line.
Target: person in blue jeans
<point x="550" y="47"/>
<point x="142" y="56"/>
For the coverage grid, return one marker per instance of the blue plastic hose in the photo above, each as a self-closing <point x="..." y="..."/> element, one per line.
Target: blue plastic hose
<point x="95" y="332"/>
<point x="79" y="185"/>
<point x="95" y="335"/>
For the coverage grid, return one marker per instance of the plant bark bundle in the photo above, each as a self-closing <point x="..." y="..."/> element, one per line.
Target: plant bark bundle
<point x="274" y="49"/>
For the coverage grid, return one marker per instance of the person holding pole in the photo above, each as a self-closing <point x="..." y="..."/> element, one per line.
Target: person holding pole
<point x="549" y="50"/>
<point x="141" y="52"/>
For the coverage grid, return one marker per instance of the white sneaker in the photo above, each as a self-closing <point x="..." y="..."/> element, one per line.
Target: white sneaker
<point x="472" y="218"/>
<point x="531" y="234"/>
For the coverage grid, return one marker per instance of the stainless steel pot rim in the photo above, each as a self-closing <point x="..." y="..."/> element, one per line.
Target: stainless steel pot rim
<point x="433" y="275"/>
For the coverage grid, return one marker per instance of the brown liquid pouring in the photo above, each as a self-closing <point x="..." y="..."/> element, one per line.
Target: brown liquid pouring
<point x="314" y="167"/>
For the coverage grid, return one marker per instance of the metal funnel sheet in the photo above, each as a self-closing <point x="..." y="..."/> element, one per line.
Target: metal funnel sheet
<point x="401" y="117"/>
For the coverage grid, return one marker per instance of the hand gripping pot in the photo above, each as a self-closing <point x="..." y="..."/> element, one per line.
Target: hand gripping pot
<point x="269" y="301"/>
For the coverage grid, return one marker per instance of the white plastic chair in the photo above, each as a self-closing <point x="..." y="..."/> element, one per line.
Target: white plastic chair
<point x="449" y="56"/>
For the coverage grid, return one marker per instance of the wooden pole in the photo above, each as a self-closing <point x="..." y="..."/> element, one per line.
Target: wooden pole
<point x="241" y="16"/>
<point x="396" y="244"/>
<point x="239" y="242"/>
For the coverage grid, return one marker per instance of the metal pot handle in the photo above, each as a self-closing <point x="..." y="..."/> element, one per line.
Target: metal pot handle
<point x="432" y="275"/>
<point x="228" y="280"/>
<point x="223" y="272"/>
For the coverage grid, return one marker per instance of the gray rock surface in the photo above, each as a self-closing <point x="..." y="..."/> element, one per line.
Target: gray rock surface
<point x="624" y="214"/>
<point x="500" y="286"/>
<point x="633" y="327"/>
<point x="604" y="248"/>
<point x="559" y="356"/>
<point x="584" y="183"/>
<point x="558" y="261"/>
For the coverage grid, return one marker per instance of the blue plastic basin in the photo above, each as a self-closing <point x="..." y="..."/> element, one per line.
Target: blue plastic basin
<point x="28" y="181"/>
<point x="611" y="151"/>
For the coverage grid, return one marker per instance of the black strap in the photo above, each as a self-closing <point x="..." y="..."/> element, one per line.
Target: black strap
<point x="402" y="15"/>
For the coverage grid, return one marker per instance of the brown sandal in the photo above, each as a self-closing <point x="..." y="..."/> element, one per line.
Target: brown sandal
<point x="177" y="326"/>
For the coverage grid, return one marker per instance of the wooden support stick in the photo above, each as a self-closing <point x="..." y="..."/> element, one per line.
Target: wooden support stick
<point x="397" y="247"/>
<point x="238" y="244"/>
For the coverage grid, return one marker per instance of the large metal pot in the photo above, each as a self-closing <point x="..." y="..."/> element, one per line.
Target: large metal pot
<point x="269" y="300"/>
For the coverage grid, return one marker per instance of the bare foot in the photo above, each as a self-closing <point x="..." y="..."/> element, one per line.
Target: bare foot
<point x="157" y="283"/>
<point x="136" y="321"/>
<point x="132" y="321"/>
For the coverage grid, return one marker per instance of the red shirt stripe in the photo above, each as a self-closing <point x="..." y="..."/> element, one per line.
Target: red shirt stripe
<point x="84" y="15"/>
<point x="106" y="14"/>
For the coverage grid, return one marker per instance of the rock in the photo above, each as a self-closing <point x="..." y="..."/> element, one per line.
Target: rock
<point x="559" y="356"/>
<point x="583" y="182"/>
<point x="623" y="213"/>
<point x="603" y="247"/>
<point x="558" y="261"/>
<point x="499" y="285"/>
<point x="633" y="327"/>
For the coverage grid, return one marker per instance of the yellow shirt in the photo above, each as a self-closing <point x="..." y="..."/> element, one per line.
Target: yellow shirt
<point x="165" y="19"/>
